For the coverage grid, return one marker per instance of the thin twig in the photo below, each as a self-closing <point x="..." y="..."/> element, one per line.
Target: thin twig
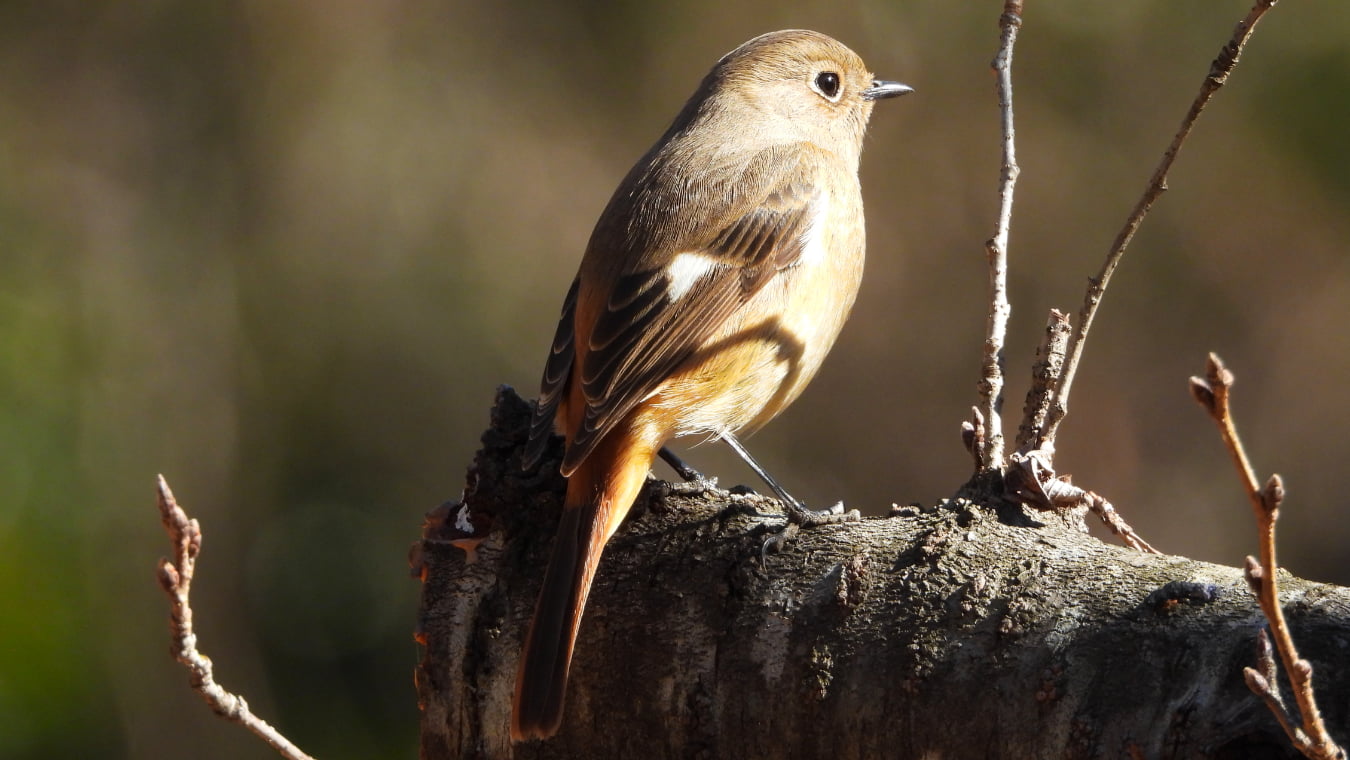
<point x="1263" y="684"/>
<point x="1030" y="477"/>
<point x="991" y="365"/>
<point x="1031" y="480"/>
<point x="175" y="577"/>
<point x="1045" y="374"/>
<point x="1311" y="738"/>
<point x="1113" y="520"/>
<point x="1218" y="74"/>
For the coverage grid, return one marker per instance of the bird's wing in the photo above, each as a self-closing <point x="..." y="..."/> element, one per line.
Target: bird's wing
<point x="664" y="305"/>
<point x="557" y="371"/>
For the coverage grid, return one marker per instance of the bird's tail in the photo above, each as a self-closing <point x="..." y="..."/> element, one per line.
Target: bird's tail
<point x="599" y="495"/>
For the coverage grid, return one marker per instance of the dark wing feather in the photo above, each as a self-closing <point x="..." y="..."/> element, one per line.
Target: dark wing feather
<point x="643" y="336"/>
<point x="557" y="371"/>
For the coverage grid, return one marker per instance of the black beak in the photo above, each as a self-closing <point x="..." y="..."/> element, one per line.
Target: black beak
<point x="882" y="89"/>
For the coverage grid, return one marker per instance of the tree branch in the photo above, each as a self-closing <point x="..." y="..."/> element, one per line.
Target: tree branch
<point x="1045" y="375"/>
<point x="175" y="577"/>
<point x="990" y="455"/>
<point x="1311" y="738"/>
<point x="1219" y="70"/>
<point x="950" y="630"/>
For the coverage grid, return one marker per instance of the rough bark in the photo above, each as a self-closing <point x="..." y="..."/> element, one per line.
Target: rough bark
<point x="951" y="631"/>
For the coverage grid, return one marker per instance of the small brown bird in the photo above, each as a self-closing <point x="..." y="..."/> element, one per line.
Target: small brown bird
<point x="714" y="284"/>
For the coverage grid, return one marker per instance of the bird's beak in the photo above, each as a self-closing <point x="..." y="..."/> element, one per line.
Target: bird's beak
<point x="882" y="89"/>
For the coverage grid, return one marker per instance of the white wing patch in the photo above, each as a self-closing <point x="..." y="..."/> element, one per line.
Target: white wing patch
<point x="686" y="269"/>
<point x="813" y="239"/>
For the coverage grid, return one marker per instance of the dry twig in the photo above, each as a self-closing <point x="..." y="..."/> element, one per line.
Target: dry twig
<point x="1032" y="481"/>
<point x="983" y="435"/>
<point x="1311" y="737"/>
<point x="990" y="454"/>
<point x="1219" y="70"/>
<point x="175" y="577"/>
<point x="1045" y="374"/>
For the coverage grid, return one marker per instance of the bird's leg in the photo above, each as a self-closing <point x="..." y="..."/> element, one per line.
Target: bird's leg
<point x="687" y="474"/>
<point x="694" y="481"/>
<point x="797" y="512"/>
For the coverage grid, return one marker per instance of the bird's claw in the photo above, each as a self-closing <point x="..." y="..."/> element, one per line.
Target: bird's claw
<point x="810" y="518"/>
<point x="799" y="517"/>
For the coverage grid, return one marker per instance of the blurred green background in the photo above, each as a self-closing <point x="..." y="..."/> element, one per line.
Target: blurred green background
<point x="284" y="252"/>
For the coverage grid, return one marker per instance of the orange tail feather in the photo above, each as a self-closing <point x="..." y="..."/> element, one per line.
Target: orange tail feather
<point x="599" y="495"/>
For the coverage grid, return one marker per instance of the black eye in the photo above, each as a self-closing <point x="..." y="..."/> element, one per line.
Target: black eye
<point x="827" y="82"/>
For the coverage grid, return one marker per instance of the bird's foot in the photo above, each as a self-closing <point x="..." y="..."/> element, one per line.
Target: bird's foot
<point x="809" y="518"/>
<point x="799" y="517"/>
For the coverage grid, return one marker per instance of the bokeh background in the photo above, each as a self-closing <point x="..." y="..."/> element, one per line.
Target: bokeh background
<point x="284" y="252"/>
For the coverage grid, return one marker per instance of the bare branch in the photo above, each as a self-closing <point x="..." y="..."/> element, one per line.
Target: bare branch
<point x="1112" y="519"/>
<point x="1212" y="393"/>
<point x="175" y="577"/>
<point x="1311" y="738"/>
<point x="1045" y="374"/>
<point x="991" y="365"/>
<point x="1219" y="70"/>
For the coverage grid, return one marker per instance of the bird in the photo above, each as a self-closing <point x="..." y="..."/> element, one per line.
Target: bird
<point x="715" y="281"/>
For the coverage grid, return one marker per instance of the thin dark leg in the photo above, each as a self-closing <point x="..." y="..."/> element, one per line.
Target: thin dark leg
<point x="687" y="474"/>
<point x="796" y="511"/>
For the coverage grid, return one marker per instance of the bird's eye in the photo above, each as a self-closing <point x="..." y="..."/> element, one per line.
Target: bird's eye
<point x="827" y="84"/>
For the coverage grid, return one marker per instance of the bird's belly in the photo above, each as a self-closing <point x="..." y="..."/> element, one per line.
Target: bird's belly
<point x="767" y="353"/>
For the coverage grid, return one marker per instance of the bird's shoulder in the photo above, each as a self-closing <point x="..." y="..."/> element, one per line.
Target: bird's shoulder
<point x="683" y="201"/>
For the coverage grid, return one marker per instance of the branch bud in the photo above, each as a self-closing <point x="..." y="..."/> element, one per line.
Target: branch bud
<point x="1255" y="575"/>
<point x="1216" y="373"/>
<point x="168" y="576"/>
<point x="1302" y="670"/>
<point x="1256" y="682"/>
<point x="1273" y="495"/>
<point x="1202" y="393"/>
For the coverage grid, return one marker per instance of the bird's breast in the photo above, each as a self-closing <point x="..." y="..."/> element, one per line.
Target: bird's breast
<point x="770" y="348"/>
